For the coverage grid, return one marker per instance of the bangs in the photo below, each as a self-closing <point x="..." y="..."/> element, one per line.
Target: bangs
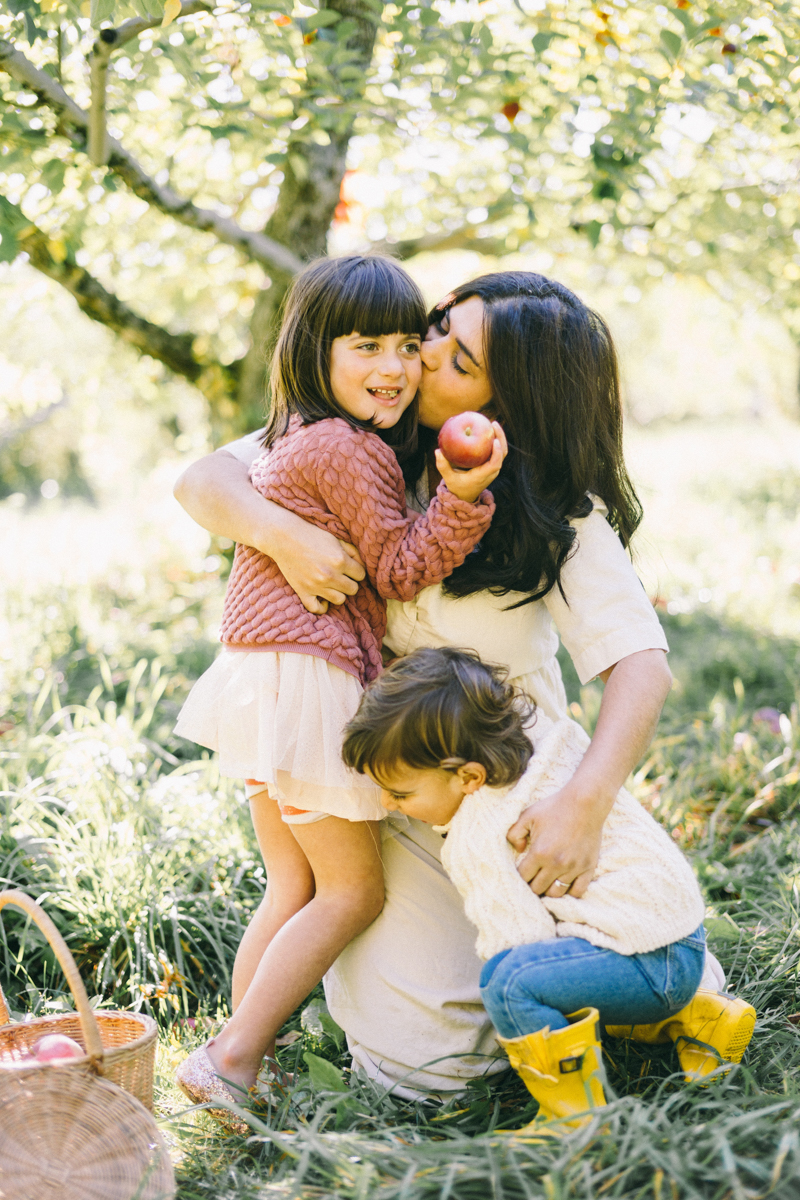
<point x="376" y="298"/>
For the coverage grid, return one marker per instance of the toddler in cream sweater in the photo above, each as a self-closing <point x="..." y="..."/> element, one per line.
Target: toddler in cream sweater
<point x="449" y="742"/>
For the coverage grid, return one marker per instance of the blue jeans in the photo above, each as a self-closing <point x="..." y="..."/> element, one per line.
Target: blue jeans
<point x="529" y="987"/>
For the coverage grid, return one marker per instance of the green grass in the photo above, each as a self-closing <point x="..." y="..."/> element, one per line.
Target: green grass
<point x="145" y="859"/>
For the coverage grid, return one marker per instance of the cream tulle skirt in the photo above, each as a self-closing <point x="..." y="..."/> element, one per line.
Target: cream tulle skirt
<point x="279" y="718"/>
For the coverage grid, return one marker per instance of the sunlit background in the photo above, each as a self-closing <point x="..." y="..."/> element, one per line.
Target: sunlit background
<point x="646" y="155"/>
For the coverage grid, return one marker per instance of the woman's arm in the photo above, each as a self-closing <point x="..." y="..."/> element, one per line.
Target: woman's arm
<point x="217" y="493"/>
<point x="562" y="833"/>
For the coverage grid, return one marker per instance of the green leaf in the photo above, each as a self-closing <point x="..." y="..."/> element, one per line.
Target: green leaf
<point x="100" y="11"/>
<point x="429" y="16"/>
<point x="220" y="131"/>
<point x="593" y="232"/>
<point x="9" y="246"/>
<point x="316" y="1020"/>
<point x="12" y="220"/>
<point x="542" y="40"/>
<point x="299" y="167"/>
<point x="325" y="1077"/>
<point x="722" y="929"/>
<point x="325" y="16"/>
<point x="53" y="175"/>
<point x="685" y="20"/>
<point x="672" y="41"/>
<point x="332" y="1029"/>
<point x="30" y="28"/>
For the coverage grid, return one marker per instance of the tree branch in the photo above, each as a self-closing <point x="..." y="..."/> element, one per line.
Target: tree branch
<point x="258" y="246"/>
<point x="10" y="432"/>
<point x="175" y="350"/>
<point x="99" y="59"/>
<point x="467" y="237"/>
<point x="98" y="74"/>
<point x="128" y="30"/>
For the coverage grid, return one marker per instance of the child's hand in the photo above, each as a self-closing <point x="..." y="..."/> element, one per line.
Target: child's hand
<point x="468" y="485"/>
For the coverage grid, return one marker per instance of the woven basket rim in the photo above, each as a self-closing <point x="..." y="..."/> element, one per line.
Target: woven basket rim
<point x="110" y="1053"/>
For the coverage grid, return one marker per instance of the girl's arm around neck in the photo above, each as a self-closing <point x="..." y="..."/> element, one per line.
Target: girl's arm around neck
<point x="561" y="834"/>
<point x="216" y="493"/>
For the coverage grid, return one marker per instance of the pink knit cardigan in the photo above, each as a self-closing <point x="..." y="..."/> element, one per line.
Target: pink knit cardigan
<point x="348" y="482"/>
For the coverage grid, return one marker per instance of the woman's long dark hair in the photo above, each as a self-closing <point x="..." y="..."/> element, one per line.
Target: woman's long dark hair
<point x="552" y="368"/>
<point x="334" y="297"/>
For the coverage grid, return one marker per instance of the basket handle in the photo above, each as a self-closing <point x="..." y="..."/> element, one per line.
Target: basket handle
<point x="89" y="1026"/>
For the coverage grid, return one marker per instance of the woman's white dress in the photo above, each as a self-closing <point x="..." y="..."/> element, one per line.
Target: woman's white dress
<point x="406" y="990"/>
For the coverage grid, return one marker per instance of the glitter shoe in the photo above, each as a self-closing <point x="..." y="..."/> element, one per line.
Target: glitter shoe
<point x="197" y="1079"/>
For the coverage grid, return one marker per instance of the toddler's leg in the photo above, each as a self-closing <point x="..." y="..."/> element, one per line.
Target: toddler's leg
<point x="544" y="1000"/>
<point x="529" y="987"/>
<point x="344" y="857"/>
<point x="290" y="886"/>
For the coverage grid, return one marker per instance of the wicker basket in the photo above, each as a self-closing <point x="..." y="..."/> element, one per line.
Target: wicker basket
<point x="65" y="1133"/>
<point x="120" y="1046"/>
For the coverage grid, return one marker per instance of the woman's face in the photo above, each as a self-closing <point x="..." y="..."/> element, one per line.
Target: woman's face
<point x="454" y="376"/>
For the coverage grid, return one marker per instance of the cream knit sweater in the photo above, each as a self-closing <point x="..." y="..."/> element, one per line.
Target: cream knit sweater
<point x="643" y="896"/>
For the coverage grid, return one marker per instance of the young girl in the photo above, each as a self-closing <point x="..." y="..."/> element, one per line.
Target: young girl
<point x="274" y="704"/>
<point x="445" y="738"/>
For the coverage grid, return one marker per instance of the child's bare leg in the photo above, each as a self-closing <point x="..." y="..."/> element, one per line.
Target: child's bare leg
<point x="346" y="861"/>
<point x="290" y="886"/>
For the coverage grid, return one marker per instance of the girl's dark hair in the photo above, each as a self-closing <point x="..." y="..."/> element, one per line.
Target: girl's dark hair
<point x="331" y="298"/>
<point x="552" y="369"/>
<point x="441" y="708"/>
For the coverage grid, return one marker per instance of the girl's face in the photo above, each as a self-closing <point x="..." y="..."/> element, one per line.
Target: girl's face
<point x="454" y="378"/>
<point x="376" y="378"/>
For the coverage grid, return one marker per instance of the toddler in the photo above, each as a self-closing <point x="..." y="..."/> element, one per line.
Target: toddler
<point x="446" y="740"/>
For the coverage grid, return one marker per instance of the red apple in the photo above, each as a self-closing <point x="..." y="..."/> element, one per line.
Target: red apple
<point x="467" y="440"/>
<point x="57" y="1045"/>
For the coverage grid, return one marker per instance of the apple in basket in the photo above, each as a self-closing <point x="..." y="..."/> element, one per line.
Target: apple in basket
<point x="54" y="1046"/>
<point x="467" y="440"/>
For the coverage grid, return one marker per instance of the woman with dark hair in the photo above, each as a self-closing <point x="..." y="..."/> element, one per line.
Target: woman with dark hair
<point x="529" y="353"/>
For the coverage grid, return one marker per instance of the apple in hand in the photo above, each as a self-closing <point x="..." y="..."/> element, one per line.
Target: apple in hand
<point x="467" y="440"/>
<point x="57" y="1045"/>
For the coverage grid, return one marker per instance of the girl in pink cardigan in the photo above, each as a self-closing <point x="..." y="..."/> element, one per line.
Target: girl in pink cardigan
<point x="274" y="705"/>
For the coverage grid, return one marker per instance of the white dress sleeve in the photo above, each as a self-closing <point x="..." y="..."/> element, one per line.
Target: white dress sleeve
<point x="606" y="614"/>
<point x="247" y="448"/>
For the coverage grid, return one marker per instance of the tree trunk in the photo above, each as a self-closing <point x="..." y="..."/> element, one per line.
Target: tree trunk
<point x="308" y="198"/>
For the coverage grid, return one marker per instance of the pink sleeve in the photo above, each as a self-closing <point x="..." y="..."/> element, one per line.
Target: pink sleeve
<point x="361" y="482"/>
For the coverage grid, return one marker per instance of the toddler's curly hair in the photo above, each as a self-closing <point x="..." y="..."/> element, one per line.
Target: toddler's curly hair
<point x="441" y="709"/>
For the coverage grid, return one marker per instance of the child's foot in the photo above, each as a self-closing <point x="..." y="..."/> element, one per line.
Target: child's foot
<point x="198" y="1079"/>
<point x="240" y="1079"/>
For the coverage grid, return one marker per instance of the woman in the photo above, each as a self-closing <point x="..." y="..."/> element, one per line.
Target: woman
<point x="528" y="352"/>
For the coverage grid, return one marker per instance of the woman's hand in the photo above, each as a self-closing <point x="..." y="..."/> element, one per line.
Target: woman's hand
<point x="468" y="485"/>
<point x="217" y="493"/>
<point x="320" y="568"/>
<point x="560" y="836"/>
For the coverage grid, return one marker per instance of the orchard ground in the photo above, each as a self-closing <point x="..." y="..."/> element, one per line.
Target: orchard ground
<point x="148" y="862"/>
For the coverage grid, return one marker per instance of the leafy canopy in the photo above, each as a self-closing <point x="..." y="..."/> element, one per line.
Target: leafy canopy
<point x="669" y="132"/>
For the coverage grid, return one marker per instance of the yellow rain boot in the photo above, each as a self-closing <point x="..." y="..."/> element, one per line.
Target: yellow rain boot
<point x="711" y="1030"/>
<point x="563" y="1070"/>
